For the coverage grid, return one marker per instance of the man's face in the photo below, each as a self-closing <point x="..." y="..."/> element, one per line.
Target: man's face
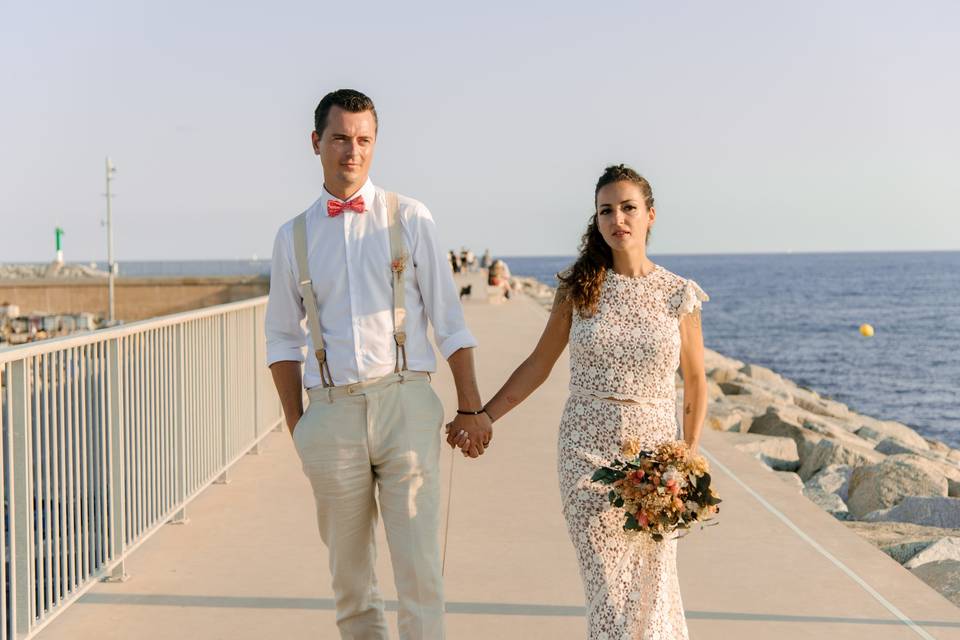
<point x="346" y="148"/>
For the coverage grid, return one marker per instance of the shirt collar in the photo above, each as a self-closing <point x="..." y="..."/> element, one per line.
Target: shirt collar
<point x="368" y="191"/>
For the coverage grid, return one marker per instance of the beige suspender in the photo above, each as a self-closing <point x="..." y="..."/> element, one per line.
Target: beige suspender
<point x="398" y="265"/>
<point x="397" y="268"/>
<point x="310" y="300"/>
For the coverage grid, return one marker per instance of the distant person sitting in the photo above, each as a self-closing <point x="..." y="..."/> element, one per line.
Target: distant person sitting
<point x="499" y="276"/>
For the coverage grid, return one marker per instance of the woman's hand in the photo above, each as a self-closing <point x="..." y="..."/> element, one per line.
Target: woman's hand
<point x="472" y="434"/>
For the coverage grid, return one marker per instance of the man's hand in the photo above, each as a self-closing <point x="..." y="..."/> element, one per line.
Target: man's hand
<point x="286" y="377"/>
<point x="292" y="422"/>
<point x="471" y="433"/>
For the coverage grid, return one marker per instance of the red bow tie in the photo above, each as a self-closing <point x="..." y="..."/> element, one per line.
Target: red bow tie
<point x="335" y="207"/>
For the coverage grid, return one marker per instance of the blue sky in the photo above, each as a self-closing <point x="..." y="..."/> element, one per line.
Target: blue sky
<point x="763" y="127"/>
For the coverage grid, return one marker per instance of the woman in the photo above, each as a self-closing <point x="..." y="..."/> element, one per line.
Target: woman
<point x="629" y="323"/>
<point x="499" y="276"/>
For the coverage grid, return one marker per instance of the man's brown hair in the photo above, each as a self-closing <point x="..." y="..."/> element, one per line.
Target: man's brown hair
<point x="348" y="100"/>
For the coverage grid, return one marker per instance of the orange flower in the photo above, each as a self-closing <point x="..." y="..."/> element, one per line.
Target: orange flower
<point x="631" y="448"/>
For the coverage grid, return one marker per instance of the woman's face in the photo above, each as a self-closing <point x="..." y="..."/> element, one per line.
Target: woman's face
<point x="623" y="217"/>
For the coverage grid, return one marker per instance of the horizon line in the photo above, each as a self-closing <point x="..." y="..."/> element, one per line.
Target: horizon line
<point x="529" y="255"/>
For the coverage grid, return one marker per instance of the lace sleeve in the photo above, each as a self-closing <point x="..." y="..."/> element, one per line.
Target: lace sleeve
<point x="689" y="298"/>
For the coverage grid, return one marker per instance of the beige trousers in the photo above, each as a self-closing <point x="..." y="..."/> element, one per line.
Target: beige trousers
<point x="381" y="437"/>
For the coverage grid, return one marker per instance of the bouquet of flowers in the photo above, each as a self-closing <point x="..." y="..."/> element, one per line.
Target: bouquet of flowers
<point x="660" y="491"/>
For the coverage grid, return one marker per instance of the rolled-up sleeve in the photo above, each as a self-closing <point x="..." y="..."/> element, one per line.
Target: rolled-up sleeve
<point x="435" y="279"/>
<point x="283" y="326"/>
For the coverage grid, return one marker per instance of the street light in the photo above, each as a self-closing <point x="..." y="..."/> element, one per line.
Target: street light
<point x="111" y="169"/>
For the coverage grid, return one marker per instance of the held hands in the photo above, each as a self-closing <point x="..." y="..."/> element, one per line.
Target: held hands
<point x="471" y="433"/>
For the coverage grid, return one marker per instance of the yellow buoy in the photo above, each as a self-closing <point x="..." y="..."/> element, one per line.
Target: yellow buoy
<point x="866" y="330"/>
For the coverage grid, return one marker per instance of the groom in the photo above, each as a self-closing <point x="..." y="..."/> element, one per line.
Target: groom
<point x="364" y="266"/>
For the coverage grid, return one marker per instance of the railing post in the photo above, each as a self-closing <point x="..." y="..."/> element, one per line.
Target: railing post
<point x="180" y="517"/>
<point x="21" y="508"/>
<point x="117" y="460"/>
<point x="223" y="478"/>
<point x="255" y="449"/>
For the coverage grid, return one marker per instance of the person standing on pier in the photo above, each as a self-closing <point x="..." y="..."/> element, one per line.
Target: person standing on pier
<point x="363" y="265"/>
<point x="630" y="324"/>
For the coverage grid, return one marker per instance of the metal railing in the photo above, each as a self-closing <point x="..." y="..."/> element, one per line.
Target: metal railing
<point x="108" y="435"/>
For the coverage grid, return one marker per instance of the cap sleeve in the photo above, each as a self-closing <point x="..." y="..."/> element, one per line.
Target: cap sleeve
<point x="689" y="298"/>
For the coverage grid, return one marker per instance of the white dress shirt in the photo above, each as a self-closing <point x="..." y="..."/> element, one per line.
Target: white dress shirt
<point x="349" y="258"/>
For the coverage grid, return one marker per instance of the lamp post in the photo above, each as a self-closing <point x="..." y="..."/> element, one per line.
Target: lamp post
<point x="111" y="169"/>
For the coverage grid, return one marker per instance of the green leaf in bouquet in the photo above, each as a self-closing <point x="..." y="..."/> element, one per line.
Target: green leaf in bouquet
<point x="618" y="502"/>
<point x="606" y="475"/>
<point x="658" y="537"/>
<point x="612" y="497"/>
<point x="631" y="524"/>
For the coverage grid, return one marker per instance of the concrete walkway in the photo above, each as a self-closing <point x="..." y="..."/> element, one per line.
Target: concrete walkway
<point x="250" y="565"/>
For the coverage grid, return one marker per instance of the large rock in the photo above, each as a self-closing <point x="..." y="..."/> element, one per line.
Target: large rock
<point x="943" y="576"/>
<point x="776" y="422"/>
<point x="881" y="534"/>
<point x="811" y="401"/>
<point x="948" y="470"/>
<point x="937" y="446"/>
<point x="899" y="540"/>
<point x="778" y="453"/>
<point x="935" y="511"/>
<point x="829" y="502"/>
<point x="892" y="446"/>
<point x="762" y="374"/>
<point x="834" y="478"/>
<point x="942" y="549"/>
<point x="903" y="551"/>
<point x="713" y="360"/>
<point x="752" y="405"/>
<point x="829" y="452"/>
<point x="882" y="485"/>
<point x="832" y="427"/>
<point x="744" y="387"/>
<point x="891" y="429"/>
<point x="713" y="390"/>
<point x="723" y="417"/>
<point x="723" y="374"/>
<point x="869" y="434"/>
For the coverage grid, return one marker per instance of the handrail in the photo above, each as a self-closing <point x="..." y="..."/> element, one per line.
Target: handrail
<point x="15" y="352"/>
<point x="108" y="435"/>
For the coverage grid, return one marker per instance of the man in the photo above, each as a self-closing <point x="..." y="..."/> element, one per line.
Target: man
<point x="364" y="267"/>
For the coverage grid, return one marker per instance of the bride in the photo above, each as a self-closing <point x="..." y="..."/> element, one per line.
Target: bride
<point x="630" y="323"/>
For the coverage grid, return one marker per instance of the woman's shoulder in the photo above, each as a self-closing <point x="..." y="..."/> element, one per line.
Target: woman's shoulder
<point x="684" y="294"/>
<point x="671" y="280"/>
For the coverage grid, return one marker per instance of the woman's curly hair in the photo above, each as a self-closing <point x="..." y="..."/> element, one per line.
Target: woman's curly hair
<point x="583" y="281"/>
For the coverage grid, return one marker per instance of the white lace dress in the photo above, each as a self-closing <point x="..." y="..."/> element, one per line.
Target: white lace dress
<point x="623" y="362"/>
